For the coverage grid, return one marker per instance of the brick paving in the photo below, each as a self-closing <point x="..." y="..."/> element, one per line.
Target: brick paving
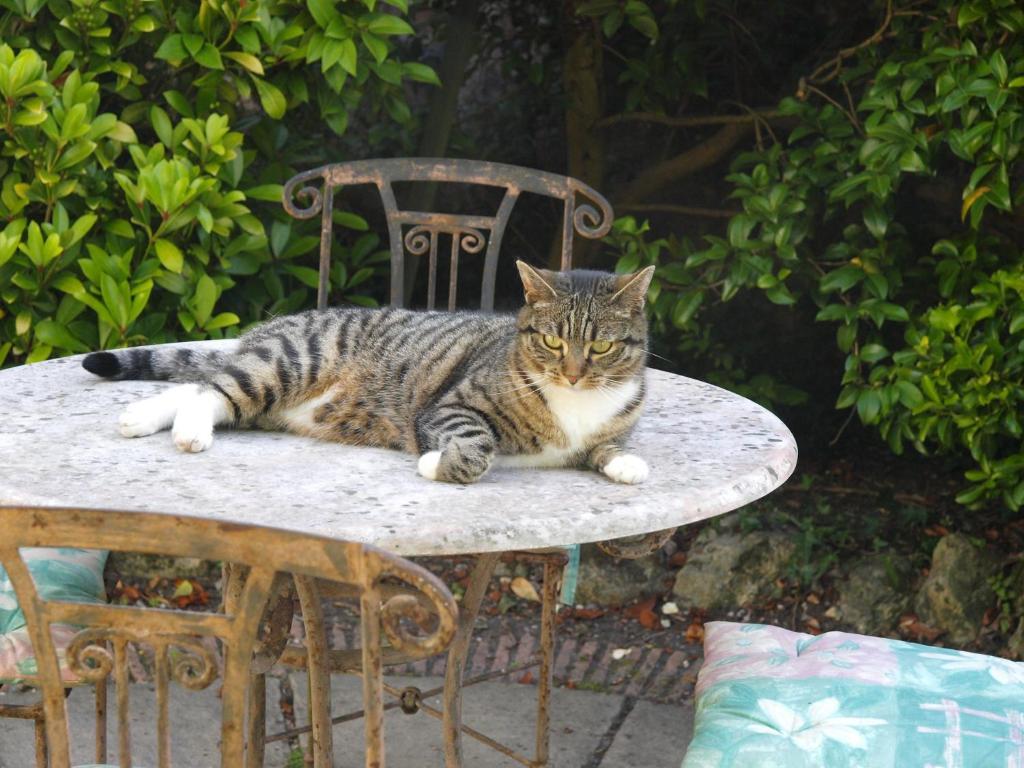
<point x="656" y="674"/>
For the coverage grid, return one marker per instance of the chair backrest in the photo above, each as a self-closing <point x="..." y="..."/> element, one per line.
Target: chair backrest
<point x="266" y="553"/>
<point x="418" y="232"/>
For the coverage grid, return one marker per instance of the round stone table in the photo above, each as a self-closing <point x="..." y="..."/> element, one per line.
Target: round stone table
<point x="709" y="451"/>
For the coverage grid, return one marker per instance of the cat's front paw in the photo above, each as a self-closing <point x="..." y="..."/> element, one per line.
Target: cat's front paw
<point x="192" y="433"/>
<point x="627" y="468"/>
<point x="427" y="465"/>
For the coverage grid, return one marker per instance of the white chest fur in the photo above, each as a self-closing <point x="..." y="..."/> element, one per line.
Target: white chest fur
<point x="579" y="413"/>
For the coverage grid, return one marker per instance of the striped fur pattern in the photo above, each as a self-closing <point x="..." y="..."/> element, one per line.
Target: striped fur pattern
<point x="559" y="384"/>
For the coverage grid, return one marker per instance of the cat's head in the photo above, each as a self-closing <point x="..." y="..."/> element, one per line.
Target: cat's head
<point x="583" y="329"/>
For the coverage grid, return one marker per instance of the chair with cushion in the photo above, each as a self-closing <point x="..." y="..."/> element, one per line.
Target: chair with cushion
<point x="191" y="648"/>
<point x="60" y="574"/>
<point x="770" y="697"/>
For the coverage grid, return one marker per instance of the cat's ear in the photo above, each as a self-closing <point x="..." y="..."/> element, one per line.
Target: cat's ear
<point x="536" y="283"/>
<point x="631" y="290"/>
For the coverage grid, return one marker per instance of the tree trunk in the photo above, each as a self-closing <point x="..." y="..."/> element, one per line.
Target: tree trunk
<point x="584" y="107"/>
<point x="463" y="39"/>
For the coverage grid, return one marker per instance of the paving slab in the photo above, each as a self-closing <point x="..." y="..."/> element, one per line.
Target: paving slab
<point x="194" y="720"/>
<point x="506" y="712"/>
<point x="652" y="736"/>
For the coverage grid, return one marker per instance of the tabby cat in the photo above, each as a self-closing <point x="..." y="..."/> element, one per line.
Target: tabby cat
<point x="560" y="384"/>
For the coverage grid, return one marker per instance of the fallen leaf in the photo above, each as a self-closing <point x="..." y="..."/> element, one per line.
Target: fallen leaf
<point x="526" y="678"/>
<point x="812" y="626"/>
<point x="182" y="588"/>
<point x="695" y="632"/>
<point x="589" y="613"/>
<point x="813" y="599"/>
<point x="936" y="530"/>
<point x="678" y="560"/>
<point x="524" y="588"/>
<point x="912" y="627"/>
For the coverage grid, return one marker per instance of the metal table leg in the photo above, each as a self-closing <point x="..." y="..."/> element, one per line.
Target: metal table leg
<point x="458" y="652"/>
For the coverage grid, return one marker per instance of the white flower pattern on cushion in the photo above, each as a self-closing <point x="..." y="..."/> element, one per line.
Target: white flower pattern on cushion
<point x="821" y="722"/>
<point x="1002" y="671"/>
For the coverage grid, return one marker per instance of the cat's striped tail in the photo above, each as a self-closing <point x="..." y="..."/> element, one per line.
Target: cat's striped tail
<point x="179" y="364"/>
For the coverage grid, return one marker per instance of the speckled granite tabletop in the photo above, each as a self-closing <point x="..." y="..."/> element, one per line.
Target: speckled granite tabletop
<point x="710" y="451"/>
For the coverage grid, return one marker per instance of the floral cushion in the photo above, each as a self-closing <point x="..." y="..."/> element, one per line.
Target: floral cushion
<point x="66" y="574"/>
<point x="771" y="698"/>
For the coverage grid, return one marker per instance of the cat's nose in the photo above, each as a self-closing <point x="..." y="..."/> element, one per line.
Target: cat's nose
<point x="572" y="379"/>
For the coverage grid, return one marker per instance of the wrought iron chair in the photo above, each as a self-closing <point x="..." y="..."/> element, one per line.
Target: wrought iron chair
<point x="268" y="559"/>
<point x="585" y="212"/>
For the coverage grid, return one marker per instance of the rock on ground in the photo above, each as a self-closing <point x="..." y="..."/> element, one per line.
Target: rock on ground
<point x="876" y="590"/>
<point x="957" y="592"/>
<point x="611" y="581"/>
<point x="726" y="570"/>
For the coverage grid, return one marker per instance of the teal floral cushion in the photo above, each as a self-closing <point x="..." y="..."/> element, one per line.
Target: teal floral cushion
<point x="771" y="698"/>
<point x="65" y="574"/>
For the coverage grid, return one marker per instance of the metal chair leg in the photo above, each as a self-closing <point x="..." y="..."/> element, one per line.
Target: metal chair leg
<point x="256" y="725"/>
<point x="42" y="758"/>
<point x="319" y="670"/>
<point x="101" y="722"/>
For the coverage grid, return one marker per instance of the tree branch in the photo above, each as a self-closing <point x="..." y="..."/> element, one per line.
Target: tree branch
<point x="691" y="161"/>
<point x="836" y="62"/>
<point x="685" y="210"/>
<point x="690" y="122"/>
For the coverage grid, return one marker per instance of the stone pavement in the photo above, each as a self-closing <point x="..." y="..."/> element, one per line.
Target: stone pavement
<point x="589" y="729"/>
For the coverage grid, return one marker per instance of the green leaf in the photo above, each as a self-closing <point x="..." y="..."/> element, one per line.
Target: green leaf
<point x="209" y="57"/>
<point x="322" y="11"/>
<point x="114" y="300"/>
<point x="172" y="49"/>
<point x="247" y="60"/>
<point x="910" y="395"/>
<point x="223" y="320"/>
<point x="56" y="335"/>
<point x="270" y="193"/>
<point x="169" y="254"/>
<point x="841" y="279"/>
<point x="869" y="405"/>
<point x="740" y="227"/>
<point x="204" y="299"/>
<point x="686" y="307"/>
<point x="872" y="353"/>
<point x="377" y="47"/>
<point x="179" y="103"/>
<point x="421" y="73"/>
<point x="645" y="25"/>
<point x="306" y="275"/>
<point x="350" y="221"/>
<point x="162" y="126"/>
<point x="271" y="98"/>
<point x="388" y="24"/>
<point x="876" y="220"/>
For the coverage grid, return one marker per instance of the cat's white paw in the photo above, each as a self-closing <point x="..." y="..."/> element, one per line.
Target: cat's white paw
<point x="427" y="465"/>
<point x="148" y="416"/>
<point x="627" y="468"/>
<point x="193" y="429"/>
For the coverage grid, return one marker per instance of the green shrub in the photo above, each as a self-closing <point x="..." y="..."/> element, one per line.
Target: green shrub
<point x="142" y="150"/>
<point x="896" y="216"/>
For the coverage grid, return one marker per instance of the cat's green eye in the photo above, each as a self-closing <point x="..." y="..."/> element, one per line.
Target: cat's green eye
<point x="600" y="346"/>
<point x="551" y="342"/>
